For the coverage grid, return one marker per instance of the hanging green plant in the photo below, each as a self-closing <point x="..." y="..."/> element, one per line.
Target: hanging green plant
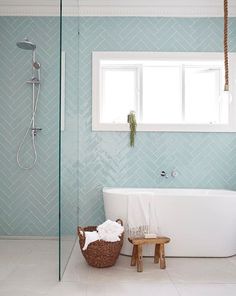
<point x="132" y="125"/>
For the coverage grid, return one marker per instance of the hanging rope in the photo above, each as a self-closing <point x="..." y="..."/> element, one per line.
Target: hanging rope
<point x="226" y="55"/>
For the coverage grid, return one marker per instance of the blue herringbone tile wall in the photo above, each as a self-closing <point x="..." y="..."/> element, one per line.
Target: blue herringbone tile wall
<point x="204" y="160"/>
<point x="29" y="199"/>
<point x="69" y="137"/>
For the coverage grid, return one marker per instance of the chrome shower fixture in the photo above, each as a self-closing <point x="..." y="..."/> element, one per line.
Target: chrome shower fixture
<point x="35" y="82"/>
<point x="26" y="44"/>
<point x="36" y="65"/>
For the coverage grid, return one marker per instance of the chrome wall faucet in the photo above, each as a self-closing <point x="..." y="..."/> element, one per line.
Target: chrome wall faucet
<point x="164" y="174"/>
<point x="174" y="174"/>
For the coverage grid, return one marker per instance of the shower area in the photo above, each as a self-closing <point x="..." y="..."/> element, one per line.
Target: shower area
<point x="35" y="80"/>
<point x="38" y="137"/>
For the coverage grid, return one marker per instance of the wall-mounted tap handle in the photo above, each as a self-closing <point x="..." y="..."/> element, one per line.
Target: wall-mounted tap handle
<point x="35" y="130"/>
<point x="174" y="173"/>
<point x="164" y="174"/>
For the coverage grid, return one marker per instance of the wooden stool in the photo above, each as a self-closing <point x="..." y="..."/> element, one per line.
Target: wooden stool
<point x="137" y="257"/>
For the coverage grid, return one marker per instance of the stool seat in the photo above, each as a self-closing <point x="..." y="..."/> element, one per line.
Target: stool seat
<point x="137" y="257"/>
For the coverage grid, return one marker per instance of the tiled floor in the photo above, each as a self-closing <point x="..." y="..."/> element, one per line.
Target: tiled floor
<point x="30" y="268"/>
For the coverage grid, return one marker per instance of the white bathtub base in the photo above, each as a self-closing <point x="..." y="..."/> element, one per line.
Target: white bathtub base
<point x="200" y="222"/>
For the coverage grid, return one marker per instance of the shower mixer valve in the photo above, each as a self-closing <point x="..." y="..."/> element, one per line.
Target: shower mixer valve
<point x="164" y="174"/>
<point x="35" y="130"/>
<point x="173" y="174"/>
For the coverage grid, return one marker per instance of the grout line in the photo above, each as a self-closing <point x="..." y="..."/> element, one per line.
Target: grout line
<point x="172" y="281"/>
<point x="176" y="288"/>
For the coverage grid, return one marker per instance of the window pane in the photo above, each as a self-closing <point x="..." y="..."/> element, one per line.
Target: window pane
<point x="162" y="101"/>
<point x="202" y="95"/>
<point x="119" y="94"/>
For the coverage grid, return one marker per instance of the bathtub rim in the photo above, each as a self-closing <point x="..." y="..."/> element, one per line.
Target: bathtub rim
<point x="169" y="191"/>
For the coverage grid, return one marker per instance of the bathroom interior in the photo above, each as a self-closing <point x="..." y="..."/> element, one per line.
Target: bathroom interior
<point x="73" y="73"/>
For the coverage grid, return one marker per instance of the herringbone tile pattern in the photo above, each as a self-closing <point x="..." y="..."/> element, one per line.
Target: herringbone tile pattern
<point x="28" y="199"/>
<point x="204" y="160"/>
<point x="69" y="137"/>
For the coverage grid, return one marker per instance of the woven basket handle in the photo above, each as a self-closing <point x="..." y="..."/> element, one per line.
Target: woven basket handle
<point x="80" y="232"/>
<point x="119" y="221"/>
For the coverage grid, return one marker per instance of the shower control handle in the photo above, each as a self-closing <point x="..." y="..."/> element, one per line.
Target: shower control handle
<point x="35" y="130"/>
<point x="164" y="174"/>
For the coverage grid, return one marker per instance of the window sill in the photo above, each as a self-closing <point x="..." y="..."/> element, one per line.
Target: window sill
<point x="165" y="127"/>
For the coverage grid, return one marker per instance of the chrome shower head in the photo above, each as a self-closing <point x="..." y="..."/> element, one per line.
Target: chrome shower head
<point x="26" y="44"/>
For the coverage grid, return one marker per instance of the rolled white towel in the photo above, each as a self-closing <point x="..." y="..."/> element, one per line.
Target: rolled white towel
<point x="90" y="237"/>
<point x="110" y="231"/>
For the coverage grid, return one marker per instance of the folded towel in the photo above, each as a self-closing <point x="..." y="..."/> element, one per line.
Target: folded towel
<point x="90" y="236"/>
<point x="110" y="231"/>
<point x="142" y="214"/>
<point x="139" y="212"/>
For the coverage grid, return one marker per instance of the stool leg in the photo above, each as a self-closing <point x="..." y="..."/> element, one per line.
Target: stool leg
<point x="162" y="257"/>
<point x="140" y="259"/>
<point x="157" y="253"/>
<point x="134" y="255"/>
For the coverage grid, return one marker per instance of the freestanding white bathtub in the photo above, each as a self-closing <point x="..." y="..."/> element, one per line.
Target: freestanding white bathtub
<point x="200" y="222"/>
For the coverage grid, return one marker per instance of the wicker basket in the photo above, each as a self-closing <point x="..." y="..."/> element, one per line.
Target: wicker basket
<point x="100" y="253"/>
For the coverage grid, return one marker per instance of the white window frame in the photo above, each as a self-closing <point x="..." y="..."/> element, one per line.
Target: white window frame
<point x="98" y="57"/>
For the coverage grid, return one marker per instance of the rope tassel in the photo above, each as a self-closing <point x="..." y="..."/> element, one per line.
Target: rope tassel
<point x="226" y="54"/>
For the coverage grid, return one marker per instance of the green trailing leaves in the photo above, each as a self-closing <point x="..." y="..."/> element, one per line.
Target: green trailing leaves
<point x="132" y="125"/>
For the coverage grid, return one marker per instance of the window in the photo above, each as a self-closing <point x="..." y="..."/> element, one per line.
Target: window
<point x="167" y="91"/>
<point x="118" y="98"/>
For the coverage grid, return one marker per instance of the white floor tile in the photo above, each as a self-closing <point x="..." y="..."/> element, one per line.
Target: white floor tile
<point x="34" y="272"/>
<point x="207" y="289"/>
<point x="123" y="272"/>
<point x="16" y="244"/>
<point x="232" y="259"/>
<point x="76" y="272"/>
<point x="68" y="289"/>
<point x="77" y="269"/>
<point x="13" y="251"/>
<point x="11" y="288"/>
<point x="201" y="270"/>
<point x="47" y="245"/>
<point x="30" y="268"/>
<point x="23" y="261"/>
<point x="132" y="288"/>
<point x="6" y="269"/>
<point x="40" y="257"/>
